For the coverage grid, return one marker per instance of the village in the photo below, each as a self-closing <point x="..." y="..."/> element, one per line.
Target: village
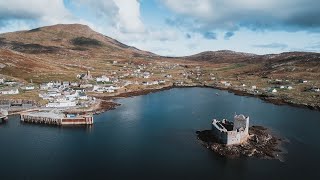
<point x="84" y="94"/>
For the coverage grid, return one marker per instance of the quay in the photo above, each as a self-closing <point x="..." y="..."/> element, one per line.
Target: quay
<point x="3" y="115"/>
<point x="55" y="118"/>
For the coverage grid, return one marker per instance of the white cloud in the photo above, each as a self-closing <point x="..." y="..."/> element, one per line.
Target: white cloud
<point x="23" y="15"/>
<point x="128" y="16"/>
<point x="124" y="15"/>
<point x="254" y="14"/>
<point x="32" y="9"/>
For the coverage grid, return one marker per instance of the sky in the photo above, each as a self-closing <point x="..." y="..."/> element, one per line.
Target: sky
<point x="180" y="27"/>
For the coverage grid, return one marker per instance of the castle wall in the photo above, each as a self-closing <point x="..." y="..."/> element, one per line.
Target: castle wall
<point x="234" y="137"/>
<point x="230" y="137"/>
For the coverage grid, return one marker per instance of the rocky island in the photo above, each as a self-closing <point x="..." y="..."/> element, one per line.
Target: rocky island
<point x="236" y="139"/>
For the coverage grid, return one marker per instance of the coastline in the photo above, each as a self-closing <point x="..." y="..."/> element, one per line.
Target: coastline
<point x="106" y="103"/>
<point x="268" y="99"/>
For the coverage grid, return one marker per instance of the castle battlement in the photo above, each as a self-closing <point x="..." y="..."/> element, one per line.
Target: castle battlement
<point x="231" y="133"/>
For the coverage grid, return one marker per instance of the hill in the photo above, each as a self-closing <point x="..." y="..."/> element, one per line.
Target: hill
<point x="47" y="52"/>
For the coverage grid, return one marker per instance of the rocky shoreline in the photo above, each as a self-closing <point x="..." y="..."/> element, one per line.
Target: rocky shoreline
<point x="260" y="144"/>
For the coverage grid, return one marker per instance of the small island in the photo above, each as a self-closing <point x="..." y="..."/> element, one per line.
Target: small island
<point x="236" y="139"/>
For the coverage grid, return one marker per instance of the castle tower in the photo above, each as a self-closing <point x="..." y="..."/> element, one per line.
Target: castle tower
<point x="241" y="123"/>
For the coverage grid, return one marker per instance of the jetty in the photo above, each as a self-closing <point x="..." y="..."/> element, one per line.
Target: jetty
<point x="3" y="114"/>
<point x="55" y="117"/>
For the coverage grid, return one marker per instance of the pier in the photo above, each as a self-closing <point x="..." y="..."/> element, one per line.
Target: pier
<point x="55" y="118"/>
<point x="3" y="115"/>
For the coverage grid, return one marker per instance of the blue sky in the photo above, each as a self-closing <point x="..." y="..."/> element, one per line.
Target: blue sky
<point x="180" y="27"/>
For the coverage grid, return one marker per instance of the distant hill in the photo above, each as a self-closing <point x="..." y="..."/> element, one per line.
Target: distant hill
<point x="223" y="56"/>
<point x="227" y="56"/>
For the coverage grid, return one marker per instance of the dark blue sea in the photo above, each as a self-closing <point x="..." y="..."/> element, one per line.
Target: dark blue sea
<point x="154" y="137"/>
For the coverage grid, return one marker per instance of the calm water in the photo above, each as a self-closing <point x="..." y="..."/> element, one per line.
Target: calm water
<point x="153" y="137"/>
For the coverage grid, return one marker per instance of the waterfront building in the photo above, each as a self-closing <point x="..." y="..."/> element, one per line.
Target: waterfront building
<point x="9" y="91"/>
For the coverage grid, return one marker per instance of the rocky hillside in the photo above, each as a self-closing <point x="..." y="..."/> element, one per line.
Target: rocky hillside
<point x="48" y="52"/>
<point x="53" y="39"/>
<point x="288" y="64"/>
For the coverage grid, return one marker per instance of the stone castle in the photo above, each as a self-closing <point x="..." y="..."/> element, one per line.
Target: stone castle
<point x="231" y="133"/>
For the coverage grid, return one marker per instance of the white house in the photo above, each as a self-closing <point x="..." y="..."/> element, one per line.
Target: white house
<point x="53" y="94"/>
<point x="29" y="88"/>
<point x="46" y="86"/>
<point x="103" y="79"/>
<point x="109" y="90"/>
<point x="227" y="84"/>
<point x="86" y="85"/>
<point x="98" y="89"/>
<point x="146" y="83"/>
<point x="155" y="82"/>
<point x="83" y="96"/>
<point x="315" y="89"/>
<point x="66" y="84"/>
<point x="62" y="104"/>
<point x="10" y="91"/>
<point x="74" y="84"/>
<point x="146" y="75"/>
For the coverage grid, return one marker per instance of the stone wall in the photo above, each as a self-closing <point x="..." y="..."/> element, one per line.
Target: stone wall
<point x="230" y="137"/>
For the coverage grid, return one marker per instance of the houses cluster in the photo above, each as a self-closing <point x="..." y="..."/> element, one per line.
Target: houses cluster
<point x="8" y="87"/>
<point x="102" y="89"/>
<point x="150" y="83"/>
<point x="63" y="95"/>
